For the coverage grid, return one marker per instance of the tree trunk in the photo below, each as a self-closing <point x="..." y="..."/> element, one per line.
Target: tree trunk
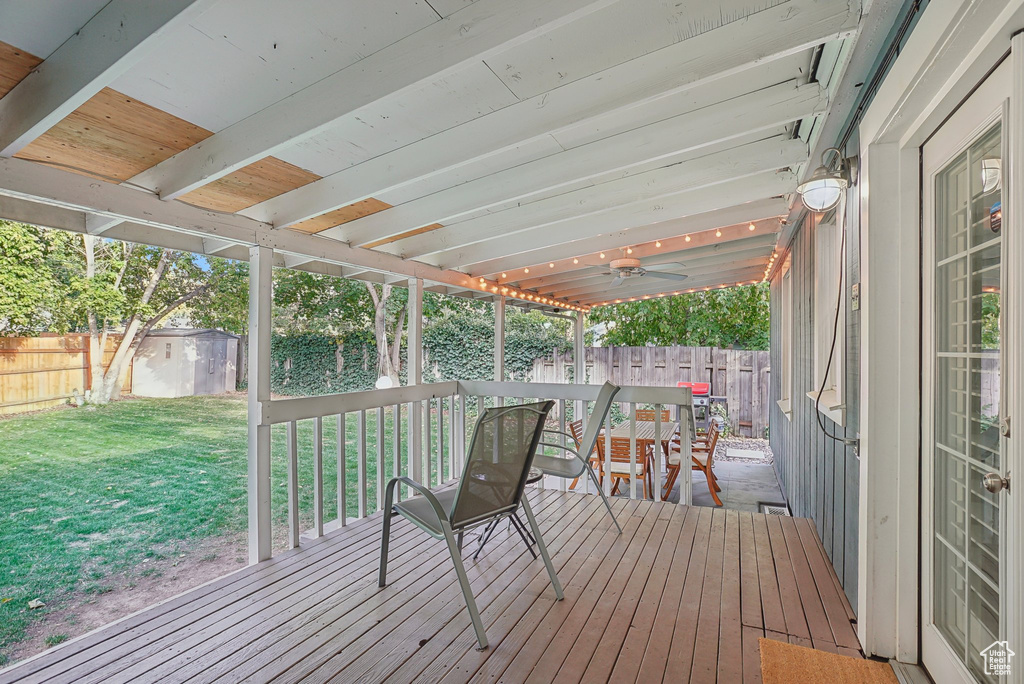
<point x="95" y="348"/>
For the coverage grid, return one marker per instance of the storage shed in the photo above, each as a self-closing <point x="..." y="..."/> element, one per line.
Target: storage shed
<point x="181" y="362"/>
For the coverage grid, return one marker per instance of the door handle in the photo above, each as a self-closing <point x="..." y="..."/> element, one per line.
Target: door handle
<point x="994" y="482"/>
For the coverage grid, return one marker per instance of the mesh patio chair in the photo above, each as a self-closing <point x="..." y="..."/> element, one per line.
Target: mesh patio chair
<point x="578" y="463"/>
<point x="491" y="487"/>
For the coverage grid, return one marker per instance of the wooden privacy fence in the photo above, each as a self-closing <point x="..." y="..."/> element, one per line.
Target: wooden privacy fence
<point x="42" y="372"/>
<point x="740" y="376"/>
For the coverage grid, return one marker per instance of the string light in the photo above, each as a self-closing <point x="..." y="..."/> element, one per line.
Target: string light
<point x="687" y="238"/>
<point x="718" y="232"/>
<point x="504" y="275"/>
<point x="575" y="261"/>
<point x="752" y="227"/>
<point x="602" y="255"/>
<point x="551" y="265"/>
<point x="629" y="250"/>
<point x="658" y="243"/>
<point x="526" y="270"/>
<point x="481" y="281"/>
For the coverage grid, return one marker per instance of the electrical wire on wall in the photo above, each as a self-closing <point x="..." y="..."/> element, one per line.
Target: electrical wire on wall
<point x="841" y="227"/>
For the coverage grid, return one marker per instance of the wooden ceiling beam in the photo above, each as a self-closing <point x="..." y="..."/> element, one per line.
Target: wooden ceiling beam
<point x="701" y="59"/>
<point x="678" y="142"/>
<point x="594" y="203"/>
<point x="689" y="267"/>
<point x="580" y="234"/>
<point x="109" y="44"/>
<point x="25" y="180"/>
<point x="743" y="210"/>
<point x="733" y="239"/>
<point x="482" y="29"/>
<point x="602" y="284"/>
<point x="652" y="290"/>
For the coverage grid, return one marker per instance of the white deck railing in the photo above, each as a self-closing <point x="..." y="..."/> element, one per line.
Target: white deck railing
<point x="429" y="426"/>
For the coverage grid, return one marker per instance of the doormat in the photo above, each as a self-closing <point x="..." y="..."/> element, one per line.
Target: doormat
<point x="774" y="508"/>
<point x="783" y="663"/>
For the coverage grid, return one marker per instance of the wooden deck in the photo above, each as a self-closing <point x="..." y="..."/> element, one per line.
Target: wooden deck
<point x="683" y="595"/>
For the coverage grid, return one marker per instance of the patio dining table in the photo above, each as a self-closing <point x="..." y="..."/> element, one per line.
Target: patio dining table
<point x="645" y="433"/>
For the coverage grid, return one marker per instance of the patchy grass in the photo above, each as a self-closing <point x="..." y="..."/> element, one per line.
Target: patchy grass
<point x="91" y="496"/>
<point x="55" y="639"/>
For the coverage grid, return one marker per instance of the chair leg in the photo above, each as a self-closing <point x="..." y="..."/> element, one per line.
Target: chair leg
<point x="670" y="481"/>
<point x="467" y="591"/>
<point x="711" y="487"/>
<point x="600" y="490"/>
<point x="543" y="551"/>
<point x="714" y="479"/>
<point x="385" y="537"/>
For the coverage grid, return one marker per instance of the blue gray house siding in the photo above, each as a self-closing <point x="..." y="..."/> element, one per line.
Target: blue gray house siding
<point x="819" y="476"/>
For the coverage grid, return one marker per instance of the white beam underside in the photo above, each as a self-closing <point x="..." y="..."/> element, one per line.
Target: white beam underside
<point x="672" y="249"/>
<point x="110" y="43"/>
<point x="665" y="182"/>
<point x="675" y="139"/>
<point x="597" y="281"/>
<point x="765" y="35"/>
<point x="722" y="279"/>
<point x="751" y="210"/>
<point x="588" y="233"/>
<point x="600" y="286"/>
<point x="24" y="180"/>
<point x="483" y="29"/>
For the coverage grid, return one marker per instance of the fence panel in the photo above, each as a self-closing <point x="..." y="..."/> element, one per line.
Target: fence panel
<point x="739" y="376"/>
<point x="42" y="372"/>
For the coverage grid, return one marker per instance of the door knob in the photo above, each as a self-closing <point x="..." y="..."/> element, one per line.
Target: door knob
<point x="994" y="482"/>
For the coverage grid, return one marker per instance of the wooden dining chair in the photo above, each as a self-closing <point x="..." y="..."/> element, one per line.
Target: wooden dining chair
<point x="620" y="464"/>
<point x="576" y="430"/>
<point x="703" y="454"/>
<point x="647" y="416"/>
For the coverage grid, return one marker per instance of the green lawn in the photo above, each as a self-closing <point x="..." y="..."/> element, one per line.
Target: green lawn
<point x="90" y="493"/>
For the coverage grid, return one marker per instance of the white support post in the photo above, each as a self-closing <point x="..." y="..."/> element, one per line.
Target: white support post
<point x="415" y="377"/>
<point x="260" y="298"/>
<point x="579" y="377"/>
<point x="499" y="339"/>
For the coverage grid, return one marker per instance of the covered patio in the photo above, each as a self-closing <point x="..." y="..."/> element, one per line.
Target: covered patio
<point x="683" y="594"/>
<point x="555" y="156"/>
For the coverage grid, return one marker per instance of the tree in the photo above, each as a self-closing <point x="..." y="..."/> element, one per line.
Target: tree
<point x="27" y="284"/>
<point x="64" y="281"/>
<point x="732" y="317"/>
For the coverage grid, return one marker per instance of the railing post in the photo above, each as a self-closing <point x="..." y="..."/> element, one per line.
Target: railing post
<point x="424" y="408"/>
<point x="260" y="298"/>
<point x="459" y="437"/>
<point x="658" y="451"/>
<point x="632" y="450"/>
<point x="293" y="485"/>
<point x="440" y="440"/>
<point x="685" y="457"/>
<point x="361" y="484"/>
<point x="415" y="377"/>
<point x="380" y="457"/>
<point x="396" y="460"/>
<point x="318" y="476"/>
<point x="342" y="476"/>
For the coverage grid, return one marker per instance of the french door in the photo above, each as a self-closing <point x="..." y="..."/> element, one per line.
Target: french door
<point x="964" y="600"/>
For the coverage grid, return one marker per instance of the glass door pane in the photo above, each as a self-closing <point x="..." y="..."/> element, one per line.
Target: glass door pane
<point x="968" y="261"/>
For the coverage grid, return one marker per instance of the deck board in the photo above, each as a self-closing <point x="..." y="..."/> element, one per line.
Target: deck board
<point x="683" y="594"/>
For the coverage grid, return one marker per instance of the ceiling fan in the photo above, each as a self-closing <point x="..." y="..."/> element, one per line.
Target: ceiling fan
<point x="627" y="267"/>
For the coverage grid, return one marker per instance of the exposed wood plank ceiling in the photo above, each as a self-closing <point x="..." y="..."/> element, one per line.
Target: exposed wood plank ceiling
<point x="493" y="146"/>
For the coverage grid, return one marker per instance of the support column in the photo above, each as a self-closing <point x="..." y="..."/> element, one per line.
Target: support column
<point x="499" y="339"/>
<point x="414" y="376"/>
<point x="261" y="260"/>
<point x="580" y="378"/>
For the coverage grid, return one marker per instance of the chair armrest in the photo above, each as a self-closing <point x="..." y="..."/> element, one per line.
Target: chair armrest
<point x="442" y="516"/>
<point x="560" y="432"/>
<point x="559" y="446"/>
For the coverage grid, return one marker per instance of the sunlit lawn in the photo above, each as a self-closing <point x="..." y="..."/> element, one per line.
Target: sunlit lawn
<point x="86" y="494"/>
